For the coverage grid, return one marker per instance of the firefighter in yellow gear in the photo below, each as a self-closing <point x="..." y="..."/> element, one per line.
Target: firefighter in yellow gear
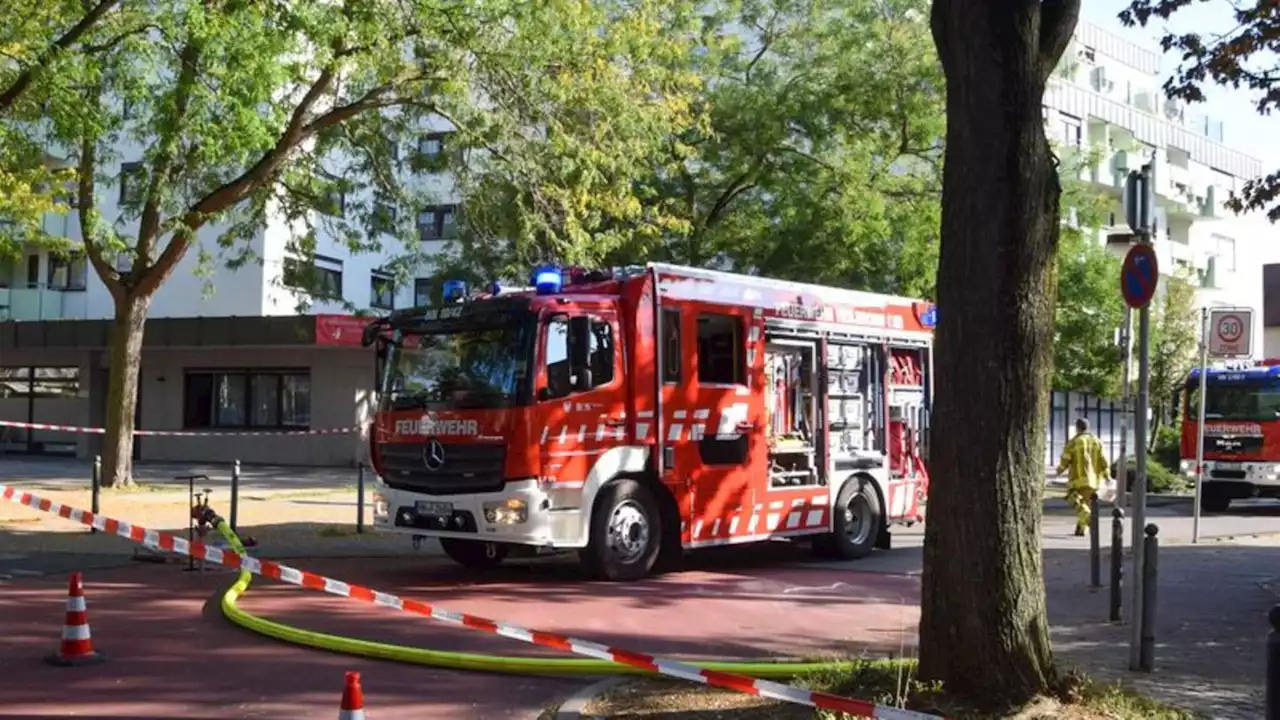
<point x="1084" y="459"/>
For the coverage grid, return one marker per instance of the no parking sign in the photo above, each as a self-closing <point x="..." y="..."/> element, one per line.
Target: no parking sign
<point x="1230" y="332"/>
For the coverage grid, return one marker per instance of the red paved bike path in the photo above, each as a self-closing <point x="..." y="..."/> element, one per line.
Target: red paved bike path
<point x="173" y="655"/>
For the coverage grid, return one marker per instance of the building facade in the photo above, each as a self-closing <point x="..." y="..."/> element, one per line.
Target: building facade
<point x="1106" y="97"/>
<point x="228" y="359"/>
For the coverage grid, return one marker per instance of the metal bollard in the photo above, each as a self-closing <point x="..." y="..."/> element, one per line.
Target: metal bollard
<point x="1150" y="572"/>
<point x="235" y="496"/>
<point x="1095" y="544"/>
<point x="360" y="498"/>
<point x="1273" y="665"/>
<point x="95" y="487"/>
<point x="1117" y="561"/>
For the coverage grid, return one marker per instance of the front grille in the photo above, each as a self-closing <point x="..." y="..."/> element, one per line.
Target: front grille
<point x="1232" y="445"/>
<point x="465" y="468"/>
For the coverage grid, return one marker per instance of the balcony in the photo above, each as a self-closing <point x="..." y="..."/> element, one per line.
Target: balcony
<point x="42" y="303"/>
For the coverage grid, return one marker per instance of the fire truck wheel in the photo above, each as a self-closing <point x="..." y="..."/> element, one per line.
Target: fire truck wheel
<point x="1213" y="499"/>
<point x="474" y="553"/>
<point x="859" y="521"/>
<point x="626" y="532"/>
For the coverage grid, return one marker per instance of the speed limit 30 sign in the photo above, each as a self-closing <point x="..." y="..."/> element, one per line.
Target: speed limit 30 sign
<point x="1230" y="332"/>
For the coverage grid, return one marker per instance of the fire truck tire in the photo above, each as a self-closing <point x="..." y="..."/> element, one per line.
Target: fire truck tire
<point x="1214" y="499"/>
<point x="474" y="553"/>
<point x="626" y="532"/>
<point x="859" y="521"/>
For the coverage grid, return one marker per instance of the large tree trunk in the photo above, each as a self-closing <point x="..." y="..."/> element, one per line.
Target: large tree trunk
<point x="983" y="631"/>
<point x="122" y="388"/>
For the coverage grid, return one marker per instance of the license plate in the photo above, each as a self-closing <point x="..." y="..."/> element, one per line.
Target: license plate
<point x="434" y="509"/>
<point x="1228" y="466"/>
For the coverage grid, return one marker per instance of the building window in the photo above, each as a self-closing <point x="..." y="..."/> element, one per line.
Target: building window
<point x="334" y="203"/>
<point x="1072" y="133"/>
<point x="384" y="218"/>
<point x="132" y="179"/>
<point x="433" y="145"/>
<point x="421" y="292"/>
<point x="1225" y="251"/>
<point x="382" y="291"/>
<point x="68" y="273"/>
<point x="436" y="222"/>
<point x="247" y="398"/>
<point x="322" y="279"/>
<point x="671" y="355"/>
<point x="720" y="350"/>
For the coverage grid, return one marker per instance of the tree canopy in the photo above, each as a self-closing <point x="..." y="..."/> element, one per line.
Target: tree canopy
<point x="1244" y="56"/>
<point x="220" y="124"/>
<point x="811" y="150"/>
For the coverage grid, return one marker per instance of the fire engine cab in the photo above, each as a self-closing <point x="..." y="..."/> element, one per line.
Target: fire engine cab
<point x="632" y="414"/>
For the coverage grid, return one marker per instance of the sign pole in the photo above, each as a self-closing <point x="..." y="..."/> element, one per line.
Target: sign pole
<point x="1200" y="405"/>
<point x="1126" y="409"/>
<point x="1138" y="212"/>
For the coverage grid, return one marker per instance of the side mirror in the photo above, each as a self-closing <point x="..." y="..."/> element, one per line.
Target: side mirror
<point x="544" y="394"/>
<point x="372" y="332"/>
<point x="582" y="379"/>
<point x="383" y="345"/>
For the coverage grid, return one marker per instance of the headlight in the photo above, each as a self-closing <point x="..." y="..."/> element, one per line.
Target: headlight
<point x="379" y="504"/>
<point x="508" y="512"/>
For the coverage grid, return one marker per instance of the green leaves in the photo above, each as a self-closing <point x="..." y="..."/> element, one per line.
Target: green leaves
<point x="1090" y="308"/>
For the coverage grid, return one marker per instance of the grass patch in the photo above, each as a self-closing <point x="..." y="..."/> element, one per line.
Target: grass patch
<point x="894" y="683"/>
<point x="885" y="682"/>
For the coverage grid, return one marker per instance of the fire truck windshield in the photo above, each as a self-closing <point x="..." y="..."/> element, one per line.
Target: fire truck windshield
<point x="1253" y="399"/>
<point x="463" y="367"/>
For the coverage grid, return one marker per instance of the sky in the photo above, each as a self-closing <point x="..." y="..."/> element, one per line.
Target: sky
<point x="1234" y="107"/>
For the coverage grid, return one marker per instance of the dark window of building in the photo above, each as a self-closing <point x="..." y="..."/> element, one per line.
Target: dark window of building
<point x="247" y="398"/>
<point x="1271" y="295"/>
<point x="382" y="291"/>
<point x="321" y="279"/>
<point x="132" y="183"/>
<point x="421" y="292"/>
<point x="436" y="222"/>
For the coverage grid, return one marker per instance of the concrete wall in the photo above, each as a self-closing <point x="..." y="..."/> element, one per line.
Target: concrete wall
<point x="342" y="381"/>
<point x="339" y="379"/>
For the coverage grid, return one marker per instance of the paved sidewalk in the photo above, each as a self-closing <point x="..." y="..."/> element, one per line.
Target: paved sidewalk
<point x="291" y="512"/>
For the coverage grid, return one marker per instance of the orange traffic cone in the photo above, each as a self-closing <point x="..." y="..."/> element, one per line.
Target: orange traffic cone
<point x="352" y="699"/>
<point x="77" y="646"/>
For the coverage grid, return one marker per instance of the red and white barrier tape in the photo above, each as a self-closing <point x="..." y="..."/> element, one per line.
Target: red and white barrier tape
<point x="179" y="433"/>
<point x="752" y="686"/>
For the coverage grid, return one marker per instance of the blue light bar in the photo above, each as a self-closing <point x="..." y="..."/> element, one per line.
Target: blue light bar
<point x="547" y="280"/>
<point x="495" y="288"/>
<point x="454" y="290"/>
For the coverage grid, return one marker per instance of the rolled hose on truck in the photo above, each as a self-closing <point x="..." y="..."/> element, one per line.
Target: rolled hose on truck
<point x="510" y="664"/>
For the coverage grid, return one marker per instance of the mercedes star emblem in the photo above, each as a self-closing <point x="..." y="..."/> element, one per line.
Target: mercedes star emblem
<point x="433" y="455"/>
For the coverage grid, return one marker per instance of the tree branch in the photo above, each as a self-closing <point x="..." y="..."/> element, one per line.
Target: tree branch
<point x="149" y="276"/>
<point x="88" y="211"/>
<point x="69" y="38"/>
<point x="1058" y="20"/>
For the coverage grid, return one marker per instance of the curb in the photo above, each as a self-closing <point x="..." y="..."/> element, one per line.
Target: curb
<point x="572" y="707"/>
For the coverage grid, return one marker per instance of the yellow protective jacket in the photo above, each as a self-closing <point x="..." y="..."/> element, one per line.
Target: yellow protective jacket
<point x="1084" y="458"/>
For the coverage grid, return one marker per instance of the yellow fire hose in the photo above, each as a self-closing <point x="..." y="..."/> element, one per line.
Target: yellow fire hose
<point x="512" y="664"/>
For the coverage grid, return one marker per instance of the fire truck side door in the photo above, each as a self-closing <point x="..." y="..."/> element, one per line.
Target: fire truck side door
<point x="581" y="410"/>
<point x="725" y="448"/>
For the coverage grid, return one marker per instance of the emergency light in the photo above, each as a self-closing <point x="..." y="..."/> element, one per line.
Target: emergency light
<point x="547" y="280"/>
<point x="454" y="290"/>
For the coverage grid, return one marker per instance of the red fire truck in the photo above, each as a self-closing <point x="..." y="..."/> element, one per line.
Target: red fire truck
<point x="636" y="413"/>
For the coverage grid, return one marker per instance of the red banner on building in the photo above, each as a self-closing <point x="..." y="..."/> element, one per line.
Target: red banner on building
<point x="340" y="330"/>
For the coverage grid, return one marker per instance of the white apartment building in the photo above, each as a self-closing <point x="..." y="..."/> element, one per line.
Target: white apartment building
<point x="225" y="352"/>
<point x="1106" y="94"/>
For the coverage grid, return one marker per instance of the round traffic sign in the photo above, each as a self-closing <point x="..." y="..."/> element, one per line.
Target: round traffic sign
<point x="1139" y="275"/>
<point x="1230" y="328"/>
